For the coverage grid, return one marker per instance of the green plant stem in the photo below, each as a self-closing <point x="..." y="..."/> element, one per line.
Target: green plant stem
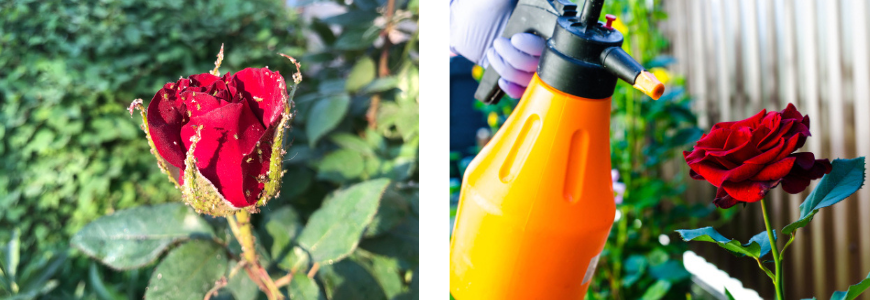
<point x="777" y="282"/>
<point x="240" y="225"/>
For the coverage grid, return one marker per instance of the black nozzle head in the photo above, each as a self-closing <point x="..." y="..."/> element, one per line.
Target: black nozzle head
<point x="572" y="60"/>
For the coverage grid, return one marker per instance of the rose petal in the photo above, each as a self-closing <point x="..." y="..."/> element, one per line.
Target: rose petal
<point x="805" y="160"/>
<point x="790" y="112"/>
<point x="203" y="79"/>
<point x="751" y="122"/>
<point x="775" y="171"/>
<point x="767" y="156"/>
<point x="165" y="118"/>
<point x="747" y="191"/>
<point x="717" y="176"/>
<point x="723" y="200"/>
<point x="713" y="141"/>
<point x="229" y="133"/>
<point x="795" y="184"/>
<point x="264" y="92"/>
<point x="774" y="137"/>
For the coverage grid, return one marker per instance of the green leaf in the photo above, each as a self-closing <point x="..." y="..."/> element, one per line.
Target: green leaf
<point x="854" y="290"/>
<point x="325" y="115"/>
<point x="348" y="280"/>
<point x="846" y="177"/>
<point x="283" y="225"/>
<point x="357" y="38"/>
<point x="671" y="270"/>
<point x="354" y="18"/>
<point x="657" y="290"/>
<point x="352" y="142"/>
<point x="135" y="237"/>
<point x="341" y="165"/>
<point x="381" y="84"/>
<point x="728" y="294"/>
<point x="241" y="285"/>
<point x="362" y="73"/>
<point x="188" y="272"/>
<point x="334" y="230"/>
<point x="757" y="247"/>
<point x="13" y="255"/>
<point x="41" y="276"/>
<point x="386" y="272"/>
<point x="391" y="212"/>
<point x="303" y="288"/>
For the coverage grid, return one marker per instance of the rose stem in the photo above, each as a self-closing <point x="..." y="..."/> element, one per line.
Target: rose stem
<point x="776" y="260"/>
<point x="240" y="225"/>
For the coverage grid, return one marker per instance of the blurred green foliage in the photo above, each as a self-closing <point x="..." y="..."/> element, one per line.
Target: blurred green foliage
<point x="70" y="152"/>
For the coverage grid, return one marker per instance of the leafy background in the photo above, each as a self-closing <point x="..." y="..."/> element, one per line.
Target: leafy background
<point x="70" y="152"/>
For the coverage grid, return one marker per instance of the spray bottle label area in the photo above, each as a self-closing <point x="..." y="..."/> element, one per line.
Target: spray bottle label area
<point x="590" y="270"/>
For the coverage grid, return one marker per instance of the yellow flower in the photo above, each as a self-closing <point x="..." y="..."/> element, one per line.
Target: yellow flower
<point x="661" y="74"/>
<point x="492" y="119"/>
<point x="477" y="72"/>
<point x="618" y="25"/>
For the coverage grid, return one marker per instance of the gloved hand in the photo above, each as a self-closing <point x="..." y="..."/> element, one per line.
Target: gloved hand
<point x="516" y="60"/>
<point x="475" y="24"/>
<point x="475" y="33"/>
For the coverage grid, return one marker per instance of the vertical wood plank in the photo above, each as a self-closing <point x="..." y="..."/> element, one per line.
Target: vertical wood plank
<point x="723" y="77"/>
<point x="835" y="131"/>
<point x="750" y="51"/>
<point x="698" y="69"/>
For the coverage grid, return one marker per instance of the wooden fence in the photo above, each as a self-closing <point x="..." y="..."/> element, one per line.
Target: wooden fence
<point x="740" y="56"/>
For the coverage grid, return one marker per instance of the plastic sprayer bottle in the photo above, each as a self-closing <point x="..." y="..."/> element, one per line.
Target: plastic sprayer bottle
<point x="536" y="204"/>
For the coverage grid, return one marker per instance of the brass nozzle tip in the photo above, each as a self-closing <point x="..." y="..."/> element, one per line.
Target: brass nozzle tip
<point x="647" y="83"/>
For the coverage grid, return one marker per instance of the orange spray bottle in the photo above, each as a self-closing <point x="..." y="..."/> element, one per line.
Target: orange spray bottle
<point x="536" y="204"/>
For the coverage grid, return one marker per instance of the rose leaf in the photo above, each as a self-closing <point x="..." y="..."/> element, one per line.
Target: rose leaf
<point x="362" y="73"/>
<point x="854" y="291"/>
<point x="758" y="245"/>
<point x="657" y="290"/>
<point x="135" y="237"/>
<point x="304" y="288"/>
<point x="334" y="230"/>
<point x="240" y="285"/>
<point x="325" y="115"/>
<point x="846" y="177"/>
<point x="188" y="272"/>
<point x="341" y="165"/>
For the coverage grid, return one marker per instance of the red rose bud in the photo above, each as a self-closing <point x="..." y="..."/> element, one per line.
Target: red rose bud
<point x="220" y="137"/>
<point x="745" y="159"/>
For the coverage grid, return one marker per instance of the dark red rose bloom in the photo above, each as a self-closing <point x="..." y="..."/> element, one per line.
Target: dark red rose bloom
<point x="745" y="159"/>
<point x="238" y="116"/>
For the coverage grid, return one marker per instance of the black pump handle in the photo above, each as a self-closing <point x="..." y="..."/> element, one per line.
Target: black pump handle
<point x="532" y="16"/>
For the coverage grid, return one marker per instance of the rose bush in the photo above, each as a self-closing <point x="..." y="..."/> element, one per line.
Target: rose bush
<point x="747" y="158"/>
<point x="218" y="136"/>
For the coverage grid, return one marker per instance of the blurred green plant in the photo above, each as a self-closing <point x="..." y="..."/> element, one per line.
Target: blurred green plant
<point x="30" y="277"/>
<point x="70" y="152"/>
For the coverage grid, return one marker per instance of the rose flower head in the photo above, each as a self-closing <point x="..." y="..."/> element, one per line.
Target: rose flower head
<point x="220" y="138"/>
<point x="747" y="158"/>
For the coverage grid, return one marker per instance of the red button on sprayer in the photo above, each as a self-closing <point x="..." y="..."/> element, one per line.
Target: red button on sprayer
<point x="610" y="18"/>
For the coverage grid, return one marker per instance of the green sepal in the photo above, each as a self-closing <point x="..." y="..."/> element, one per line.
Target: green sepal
<point x="171" y="171"/>
<point x="198" y="191"/>
<point x="272" y="186"/>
